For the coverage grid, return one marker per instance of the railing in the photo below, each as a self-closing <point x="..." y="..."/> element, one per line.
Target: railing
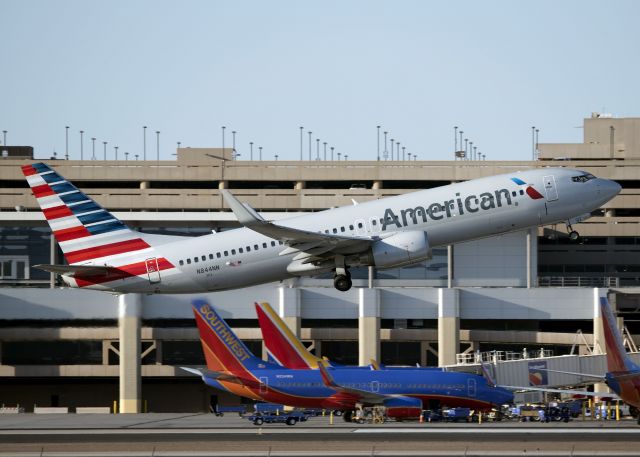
<point x="477" y="357"/>
<point x="578" y="281"/>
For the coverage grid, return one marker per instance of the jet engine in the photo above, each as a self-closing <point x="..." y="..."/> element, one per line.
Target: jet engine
<point x="402" y="248"/>
<point x="403" y="407"/>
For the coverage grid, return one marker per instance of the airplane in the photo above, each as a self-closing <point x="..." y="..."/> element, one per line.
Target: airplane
<point x="622" y="376"/>
<point x="104" y="254"/>
<point x="231" y="366"/>
<point x="285" y="349"/>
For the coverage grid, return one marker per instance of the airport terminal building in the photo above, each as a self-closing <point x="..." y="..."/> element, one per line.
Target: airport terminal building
<point x="527" y="292"/>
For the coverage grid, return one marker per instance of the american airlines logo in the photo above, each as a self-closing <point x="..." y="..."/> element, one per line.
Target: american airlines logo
<point x="224" y="333"/>
<point x="438" y="211"/>
<point x="531" y="192"/>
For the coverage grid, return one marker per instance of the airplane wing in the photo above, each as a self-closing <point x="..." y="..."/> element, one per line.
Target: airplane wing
<point x="70" y="270"/>
<point x="362" y="395"/>
<point x="317" y="244"/>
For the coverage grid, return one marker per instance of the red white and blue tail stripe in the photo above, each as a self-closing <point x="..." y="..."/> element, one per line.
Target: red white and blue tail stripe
<point x="88" y="234"/>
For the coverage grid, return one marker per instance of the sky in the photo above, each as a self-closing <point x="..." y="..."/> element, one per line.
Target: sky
<point x="336" y="68"/>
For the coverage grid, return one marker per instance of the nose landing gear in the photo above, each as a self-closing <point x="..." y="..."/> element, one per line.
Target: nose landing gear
<point x="573" y="235"/>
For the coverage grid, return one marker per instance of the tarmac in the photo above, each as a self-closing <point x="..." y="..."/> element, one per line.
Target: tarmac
<point x="165" y="435"/>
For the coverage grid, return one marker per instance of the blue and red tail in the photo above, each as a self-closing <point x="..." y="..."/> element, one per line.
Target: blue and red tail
<point x="88" y="234"/>
<point x="618" y="361"/>
<point x="223" y="350"/>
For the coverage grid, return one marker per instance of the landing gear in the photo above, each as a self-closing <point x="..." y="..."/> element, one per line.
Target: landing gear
<point x="342" y="282"/>
<point x="573" y="235"/>
<point x="342" y="279"/>
<point x="347" y="416"/>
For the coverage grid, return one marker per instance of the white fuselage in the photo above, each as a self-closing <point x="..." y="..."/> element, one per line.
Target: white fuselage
<point x="448" y="214"/>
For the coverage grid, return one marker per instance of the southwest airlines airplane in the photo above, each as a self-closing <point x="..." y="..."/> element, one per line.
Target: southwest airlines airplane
<point x="104" y="254"/>
<point x="232" y="367"/>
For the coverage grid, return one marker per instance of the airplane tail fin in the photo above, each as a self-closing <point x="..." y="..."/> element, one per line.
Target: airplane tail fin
<point x="85" y="231"/>
<point x="617" y="358"/>
<point x="223" y="350"/>
<point x="282" y="345"/>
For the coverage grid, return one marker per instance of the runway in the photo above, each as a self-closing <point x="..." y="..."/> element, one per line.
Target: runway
<point x="206" y="435"/>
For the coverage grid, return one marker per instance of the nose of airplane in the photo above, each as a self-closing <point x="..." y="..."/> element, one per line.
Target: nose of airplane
<point x="609" y="189"/>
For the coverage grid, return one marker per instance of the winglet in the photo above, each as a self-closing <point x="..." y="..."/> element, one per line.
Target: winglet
<point x="246" y="214"/>
<point x="374" y="364"/>
<point x="327" y="379"/>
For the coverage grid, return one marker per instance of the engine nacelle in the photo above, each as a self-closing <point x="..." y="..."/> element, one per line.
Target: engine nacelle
<point x="402" y="248"/>
<point x="403" y="407"/>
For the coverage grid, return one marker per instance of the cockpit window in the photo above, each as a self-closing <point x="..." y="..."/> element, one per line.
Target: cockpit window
<point x="583" y="178"/>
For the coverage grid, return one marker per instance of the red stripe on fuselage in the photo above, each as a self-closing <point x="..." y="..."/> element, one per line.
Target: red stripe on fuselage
<point x="106" y="250"/>
<point x="121" y="272"/>
<point x="43" y="190"/>
<point x="57" y="212"/>
<point x="28" y="170"/>
<point x="71" y="233"/>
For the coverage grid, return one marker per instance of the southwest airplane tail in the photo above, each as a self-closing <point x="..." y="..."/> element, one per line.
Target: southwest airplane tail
<point x="98" y="247"/>
<point x="282" y="345"/>
<point x="623" y="375"/>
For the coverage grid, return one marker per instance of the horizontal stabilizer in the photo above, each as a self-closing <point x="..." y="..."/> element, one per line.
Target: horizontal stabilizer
<point x="71" y="270"/>
<point x="217" y="375"/>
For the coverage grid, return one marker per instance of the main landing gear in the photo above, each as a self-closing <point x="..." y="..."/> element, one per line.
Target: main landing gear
<point x="573" y="235"/>
<point x="342" y="279"/>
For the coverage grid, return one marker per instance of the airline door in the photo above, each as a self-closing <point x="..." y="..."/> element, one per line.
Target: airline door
<point x="471" y="388"/>
<point x="550" y="189"/>
<point x="153" y="271"/>
<point x="264" y="384"/>
<point x="375" y="386"/>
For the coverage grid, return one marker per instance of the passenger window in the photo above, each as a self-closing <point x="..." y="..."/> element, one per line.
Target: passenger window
<point x="210" y="256"/>
<point x="233" y="252"/>
<point x="273" y="243"/>
<point x="335" y="230"/>
<point x="280" y="243"/>
<point x="226" y="253"/>
<point x="240" y="250"/>
<point x="218" y="255"/>
<point x="248" y="248"/>
<point x="181" y="262"/>
<point x="342" y="229"/>
<point x="351" y="227"/>
<point x="189" y="261"/>
<point x="359" y="224"/>
<point x="521" y="192"/>
<point x="326" y="231"/>
<point x="264" y="245"/>
<point x="195" y="259"/>
<point x="204" y="257"/>
<point x="255" y="247"/>
<point x="374" y="222"/>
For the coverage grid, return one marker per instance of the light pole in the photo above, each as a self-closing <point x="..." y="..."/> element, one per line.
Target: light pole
<point x="276" y="157"/>
<point x="260" y="153"/>
<point x="126" y="156"/>
<point x="116" y="148"/>
<point x="466" y="153"/>
<point x="460" y="132"/>
<point x="536" y="145"/>
<point x="385" y="153"/>
<point x="317" y="148"/>
<point x="4" y="137"/>
<point x="338" y="157"/>
<point x="301" y="129"/>
<point x="81" y="144"/>
<point x="455" y="139"/>
<point x="533" y="142"/>
<point x="471" y="150"/>
<point x="158" y="145"/>
<point x="179" y="143"/>
<point x="475" y="153"/>
<point x="251" y="150"/>
<point x="66" y="143"/>
<point x="233" y="140"/>
<point x="346" y="157"/>
<point x="93" y="149"/>
<point x="325" y="151"/>
<point x="310" y="132"/>
<point x="403" y="153"/>
<point x="378" y="127"/>
<point x="223" y="128"/>
<point x="104" y="143"/>
<point x="397" y="150"/>
<point x="144" y="142"/>
<point x="392" y="140"/>
<point x="332" y="148"/>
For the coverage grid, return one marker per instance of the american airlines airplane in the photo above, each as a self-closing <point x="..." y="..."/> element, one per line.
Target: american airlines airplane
<point x="104" y="254"/>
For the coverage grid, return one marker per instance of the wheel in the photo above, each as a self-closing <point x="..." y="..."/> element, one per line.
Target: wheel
<point x="337" y="412"/>
<point x="573" y="235"/>
<point x="291" y="421"/>
<point x="221" y="414"/>
<point x="342" y="283"/>
<point x="347" y="415"/>
<point x="258" y="421"/>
